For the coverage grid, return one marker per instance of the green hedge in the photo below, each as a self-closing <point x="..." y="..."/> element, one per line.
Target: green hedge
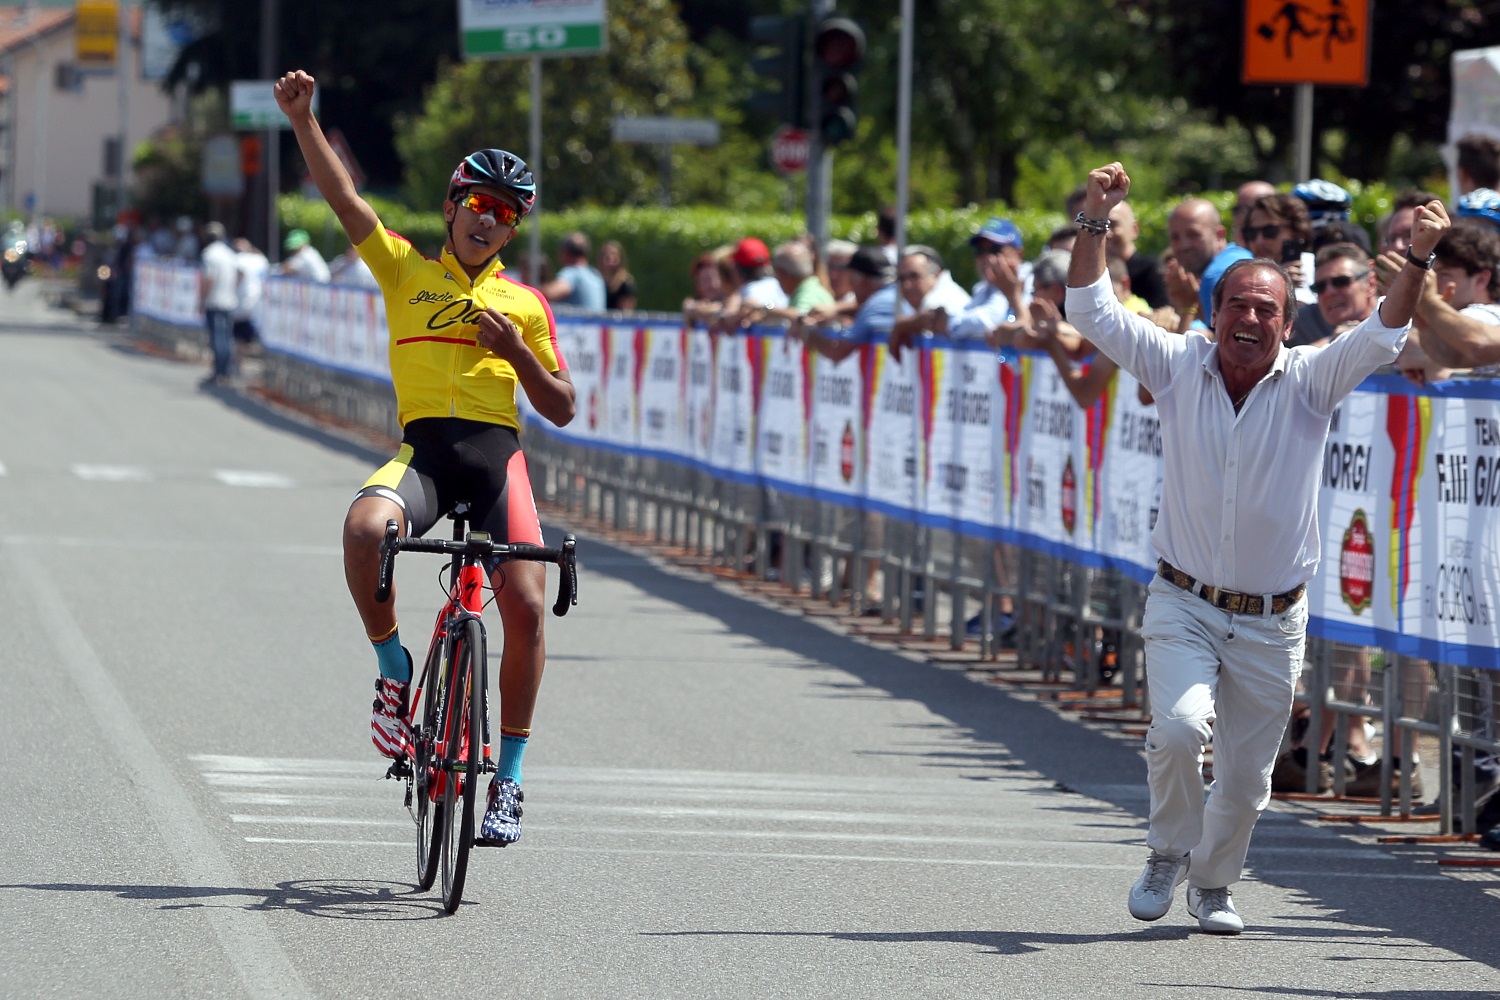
<point x="661" y="243"/>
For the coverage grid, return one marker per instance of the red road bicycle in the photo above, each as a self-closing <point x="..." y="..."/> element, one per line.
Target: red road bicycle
<point x="448" y="709"/>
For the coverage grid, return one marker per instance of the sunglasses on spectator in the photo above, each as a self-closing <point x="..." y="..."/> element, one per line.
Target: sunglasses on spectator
<point x="505" y="214"/>
<point x="1337" y="281"/>
<point x="1264" y="232"/>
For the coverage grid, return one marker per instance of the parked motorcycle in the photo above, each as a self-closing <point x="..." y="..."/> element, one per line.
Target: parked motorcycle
<point x="15" y="257"/>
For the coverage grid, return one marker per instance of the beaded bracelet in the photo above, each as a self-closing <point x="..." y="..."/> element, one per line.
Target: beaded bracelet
<point x="1094" y="227"/>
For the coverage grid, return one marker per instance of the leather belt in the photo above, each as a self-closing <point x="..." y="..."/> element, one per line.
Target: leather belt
<point x="1229" y="600"/>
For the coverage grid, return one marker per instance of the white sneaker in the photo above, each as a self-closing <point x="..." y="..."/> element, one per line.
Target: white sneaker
<point x="1215" y="910"/>
<point x="1151" y="896"/>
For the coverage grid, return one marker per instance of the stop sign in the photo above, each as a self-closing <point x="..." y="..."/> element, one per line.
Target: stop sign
<point x="790" y="149"/>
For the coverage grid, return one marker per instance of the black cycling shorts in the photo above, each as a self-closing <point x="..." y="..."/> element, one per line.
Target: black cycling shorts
<point x="444" y="461"/>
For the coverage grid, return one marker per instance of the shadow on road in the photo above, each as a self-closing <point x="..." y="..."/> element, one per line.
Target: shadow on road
<point x="329" y="898"/>
<point x="1003" y="733"/>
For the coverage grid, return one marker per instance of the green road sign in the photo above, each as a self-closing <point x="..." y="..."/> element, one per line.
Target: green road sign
<point x="493" y="30"/>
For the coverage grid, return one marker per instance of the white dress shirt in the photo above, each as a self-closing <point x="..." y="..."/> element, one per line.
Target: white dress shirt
<point x="1239" y="491"/>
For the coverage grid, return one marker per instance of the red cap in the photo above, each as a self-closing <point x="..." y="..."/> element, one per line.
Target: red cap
<point x="751" y="252"/>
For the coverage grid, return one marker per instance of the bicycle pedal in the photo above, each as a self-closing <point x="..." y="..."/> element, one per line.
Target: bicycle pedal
<point x="400" y="768"/>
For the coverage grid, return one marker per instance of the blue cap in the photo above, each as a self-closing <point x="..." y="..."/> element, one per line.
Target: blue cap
<point x="1001" y="232"/>
<point x="1325" y="199"/>
<point x="1480" y="203"/>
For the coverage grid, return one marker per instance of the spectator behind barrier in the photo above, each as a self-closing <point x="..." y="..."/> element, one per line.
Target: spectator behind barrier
<point x="577" y="283"/>
<point x="998" y="255"/>
<point x="1457" y="320"/>
<point x="253" y="267"/>
<point x="1478" y="162"/>
<point x="708" y="290"/>
<point x="1395" y="228"/>
<point x="872" y="278"/>
<point x="619" y="283"/>
<point x="1344" y="286"/>
<point x="839" y="253"/>
<point x="759" y="288"/>
<point x="795" y="272"/>
<point x="1146" y="278"/>
<point x="1244" y="199"/>
<point x="926" y="290"/>
<point x="1277" y="228"/>
<point x="1202" y="255"/>
<point x="303" y="259"/>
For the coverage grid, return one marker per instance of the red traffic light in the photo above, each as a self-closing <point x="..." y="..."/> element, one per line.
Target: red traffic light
<point x="839" y="43"/>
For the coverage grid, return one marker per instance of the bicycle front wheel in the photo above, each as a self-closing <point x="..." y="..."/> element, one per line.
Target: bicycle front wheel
<point x="425" y="767"/>
<point x="465" y="708"/>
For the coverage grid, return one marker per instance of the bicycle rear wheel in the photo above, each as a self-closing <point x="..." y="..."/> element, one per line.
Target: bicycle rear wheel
<point x="466" y="721"/>
<point x="429" y="814"/>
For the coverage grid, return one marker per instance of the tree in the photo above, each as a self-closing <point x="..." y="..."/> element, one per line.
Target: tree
<point x="372" y="60"/>
<point x="476" y="104"/>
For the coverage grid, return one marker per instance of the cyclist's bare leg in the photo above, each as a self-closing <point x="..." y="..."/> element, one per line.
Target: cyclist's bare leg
<point x="522" y="604"/>
<point x="364" y="529"/>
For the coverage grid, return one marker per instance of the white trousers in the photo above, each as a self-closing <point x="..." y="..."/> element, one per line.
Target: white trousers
<point x="1236" y="673"/>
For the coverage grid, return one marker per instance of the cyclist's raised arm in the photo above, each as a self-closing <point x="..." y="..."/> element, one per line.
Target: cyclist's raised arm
<point x="294" y="93"/>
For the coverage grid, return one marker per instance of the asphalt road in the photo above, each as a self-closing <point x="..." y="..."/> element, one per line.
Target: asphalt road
<point x="723" y="800"/>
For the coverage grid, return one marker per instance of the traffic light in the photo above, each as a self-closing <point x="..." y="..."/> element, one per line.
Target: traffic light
<point x="838" y="49"/>
<point x="780" y="57"/>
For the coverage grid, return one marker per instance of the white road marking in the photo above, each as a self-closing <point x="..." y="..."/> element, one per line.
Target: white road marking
<point x="2" y="468"/>
<point x="112" y="474"/>
<point x="254" y="480"/>
<point x="316" y="821"/>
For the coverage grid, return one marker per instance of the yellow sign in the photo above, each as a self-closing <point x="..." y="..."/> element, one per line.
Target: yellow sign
<point x="1307" y="41"/>
<point x="97" y="28"/>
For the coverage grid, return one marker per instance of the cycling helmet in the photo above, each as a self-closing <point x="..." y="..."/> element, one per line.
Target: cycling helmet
<point x="497" y="168"/>
<point x="1325" y="200"/>
<point x="1480" y="203"/>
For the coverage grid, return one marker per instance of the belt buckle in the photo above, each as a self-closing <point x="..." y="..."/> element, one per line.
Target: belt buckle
<point x="1234" y="602"/>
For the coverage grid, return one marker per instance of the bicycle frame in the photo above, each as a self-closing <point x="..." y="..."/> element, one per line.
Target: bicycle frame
<point x="466" y="580"/>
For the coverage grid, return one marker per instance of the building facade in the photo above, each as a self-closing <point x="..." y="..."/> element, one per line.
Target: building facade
<point x="59" y="125"/>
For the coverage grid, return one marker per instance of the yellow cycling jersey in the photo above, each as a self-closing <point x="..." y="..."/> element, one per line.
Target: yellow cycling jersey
<point x="432" y="309"/>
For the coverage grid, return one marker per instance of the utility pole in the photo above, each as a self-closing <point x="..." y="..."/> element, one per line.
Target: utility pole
<point x="819" y="157"/>
<point x="271" y="147"/>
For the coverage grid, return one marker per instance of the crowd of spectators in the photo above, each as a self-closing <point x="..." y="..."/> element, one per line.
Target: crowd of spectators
<point x="846" y="296"/>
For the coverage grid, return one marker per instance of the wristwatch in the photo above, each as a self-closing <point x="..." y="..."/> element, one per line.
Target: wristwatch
<point x="1424" y="263"/>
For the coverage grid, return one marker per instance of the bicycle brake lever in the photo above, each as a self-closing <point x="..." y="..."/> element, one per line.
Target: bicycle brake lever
<point x="387" y="561"/>
<point x="567" y="584"/>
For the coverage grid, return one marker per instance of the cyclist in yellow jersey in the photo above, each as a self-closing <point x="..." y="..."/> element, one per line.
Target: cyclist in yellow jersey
<point x="462" y="336"/>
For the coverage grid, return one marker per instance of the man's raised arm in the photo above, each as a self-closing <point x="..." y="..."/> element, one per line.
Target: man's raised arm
<point x="294" y="93"/>
<point x="1106" y="188"/>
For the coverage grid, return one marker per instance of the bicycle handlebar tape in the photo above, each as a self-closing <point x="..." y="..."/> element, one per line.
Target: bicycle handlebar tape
<point x="387" y="561"/>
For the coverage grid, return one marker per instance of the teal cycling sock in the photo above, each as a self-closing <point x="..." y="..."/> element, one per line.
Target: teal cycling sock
<point x="512" y="746"/>
<point x="394" y="663"/>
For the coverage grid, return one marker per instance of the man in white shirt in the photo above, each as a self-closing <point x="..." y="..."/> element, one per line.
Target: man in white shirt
<point x="926" y="290"/>
<point x="303" y="259"/>
<point x="1243" y="424"/>
<point x="219" y="296"/>
<point x="253" y="268"/>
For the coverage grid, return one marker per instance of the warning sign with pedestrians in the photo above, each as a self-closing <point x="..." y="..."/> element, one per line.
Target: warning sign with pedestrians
<point x="1307" y="41"/>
